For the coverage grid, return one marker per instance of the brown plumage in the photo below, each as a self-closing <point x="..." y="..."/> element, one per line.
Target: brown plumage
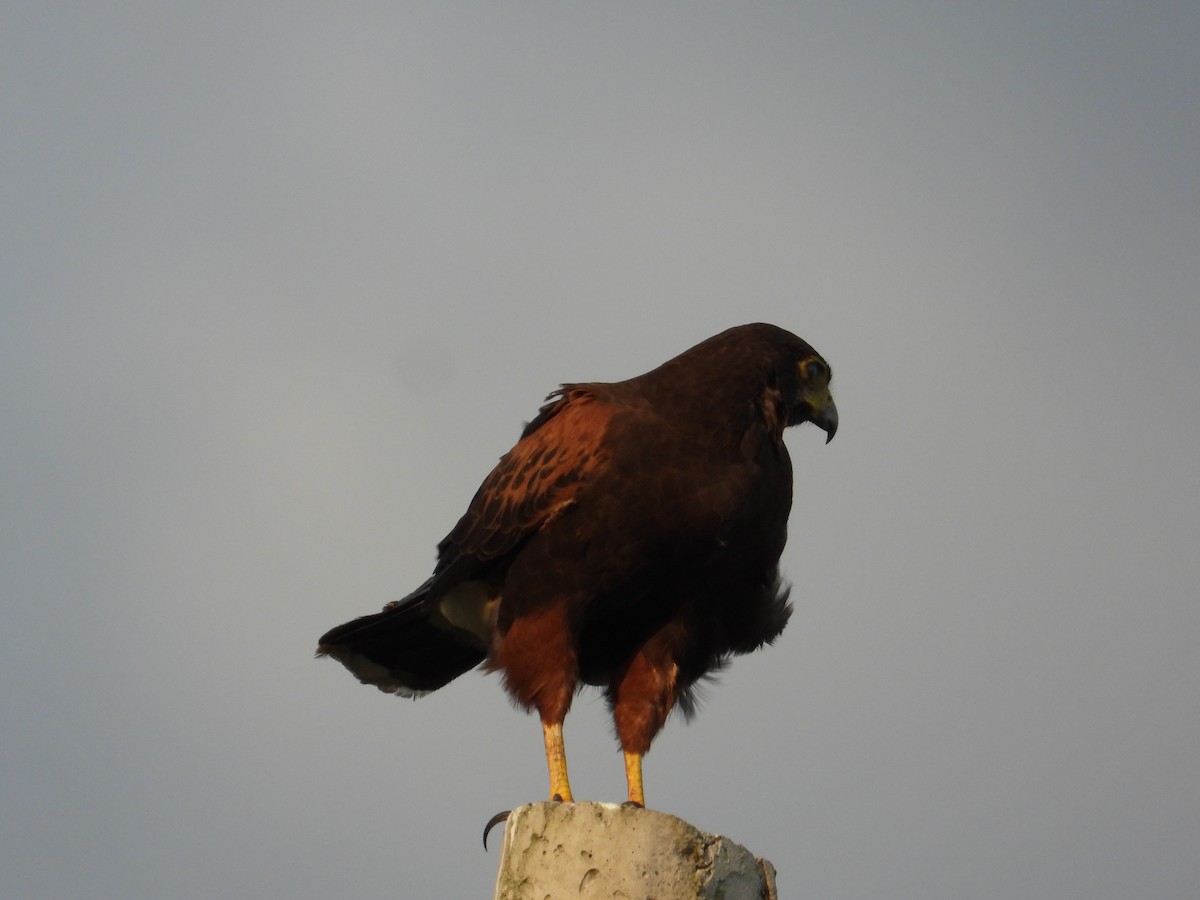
<point x="630" y="540"/>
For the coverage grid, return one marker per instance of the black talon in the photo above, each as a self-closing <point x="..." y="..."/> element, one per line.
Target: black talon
<point x="492" y="823"/>
<point x="633" y="804"/>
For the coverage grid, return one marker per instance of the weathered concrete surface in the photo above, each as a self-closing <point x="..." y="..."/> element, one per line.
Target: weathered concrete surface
<point x="562" y="850"/>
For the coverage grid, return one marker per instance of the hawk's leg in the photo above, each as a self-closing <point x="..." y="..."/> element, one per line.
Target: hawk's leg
<point x="641" y="697"/>
<point x="633" y="778"/>
<point x="556" y="760"/>
<point x="537" y="656"/>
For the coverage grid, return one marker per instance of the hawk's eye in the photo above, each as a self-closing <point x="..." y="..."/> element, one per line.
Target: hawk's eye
<point x="814" y="369"/>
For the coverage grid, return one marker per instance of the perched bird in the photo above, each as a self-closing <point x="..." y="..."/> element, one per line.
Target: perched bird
<point x="630" y="540"/>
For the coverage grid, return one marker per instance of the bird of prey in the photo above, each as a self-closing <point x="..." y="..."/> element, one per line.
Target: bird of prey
<point x="630" y="540"/>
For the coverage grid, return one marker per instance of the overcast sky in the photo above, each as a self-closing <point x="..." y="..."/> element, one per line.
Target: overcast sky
<point x="281" y="281"/>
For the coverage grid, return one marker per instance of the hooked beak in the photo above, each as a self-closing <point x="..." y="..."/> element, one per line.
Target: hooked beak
<point x="817" y="406"/>
<point x="826" y="419"/>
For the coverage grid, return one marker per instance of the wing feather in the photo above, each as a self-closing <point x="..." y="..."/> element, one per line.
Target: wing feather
<point x="536" y="481"/>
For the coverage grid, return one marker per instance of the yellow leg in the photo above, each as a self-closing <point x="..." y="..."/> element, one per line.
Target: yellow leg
<point x="633" y="777"/>
<point x="556" y="759"/>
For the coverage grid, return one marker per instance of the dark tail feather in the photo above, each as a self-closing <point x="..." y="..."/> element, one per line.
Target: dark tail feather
<point x="408" y="649"/>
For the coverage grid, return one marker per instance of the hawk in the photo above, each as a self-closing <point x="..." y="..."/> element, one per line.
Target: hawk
<point x="630" y="540"/>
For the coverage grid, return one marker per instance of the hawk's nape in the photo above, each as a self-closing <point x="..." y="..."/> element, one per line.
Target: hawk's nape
<point x="630" y="540"/>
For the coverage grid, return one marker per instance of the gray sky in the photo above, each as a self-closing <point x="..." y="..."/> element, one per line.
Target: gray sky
<point x="280" y="282"/>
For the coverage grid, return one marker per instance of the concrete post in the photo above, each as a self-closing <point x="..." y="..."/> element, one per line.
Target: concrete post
<point x="594" y="850"/>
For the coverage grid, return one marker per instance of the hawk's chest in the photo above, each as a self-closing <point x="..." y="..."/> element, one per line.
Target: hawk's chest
<point x="704" y="490"/>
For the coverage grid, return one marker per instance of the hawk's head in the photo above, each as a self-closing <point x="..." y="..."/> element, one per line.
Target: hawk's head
<point x="811" y="401"/>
